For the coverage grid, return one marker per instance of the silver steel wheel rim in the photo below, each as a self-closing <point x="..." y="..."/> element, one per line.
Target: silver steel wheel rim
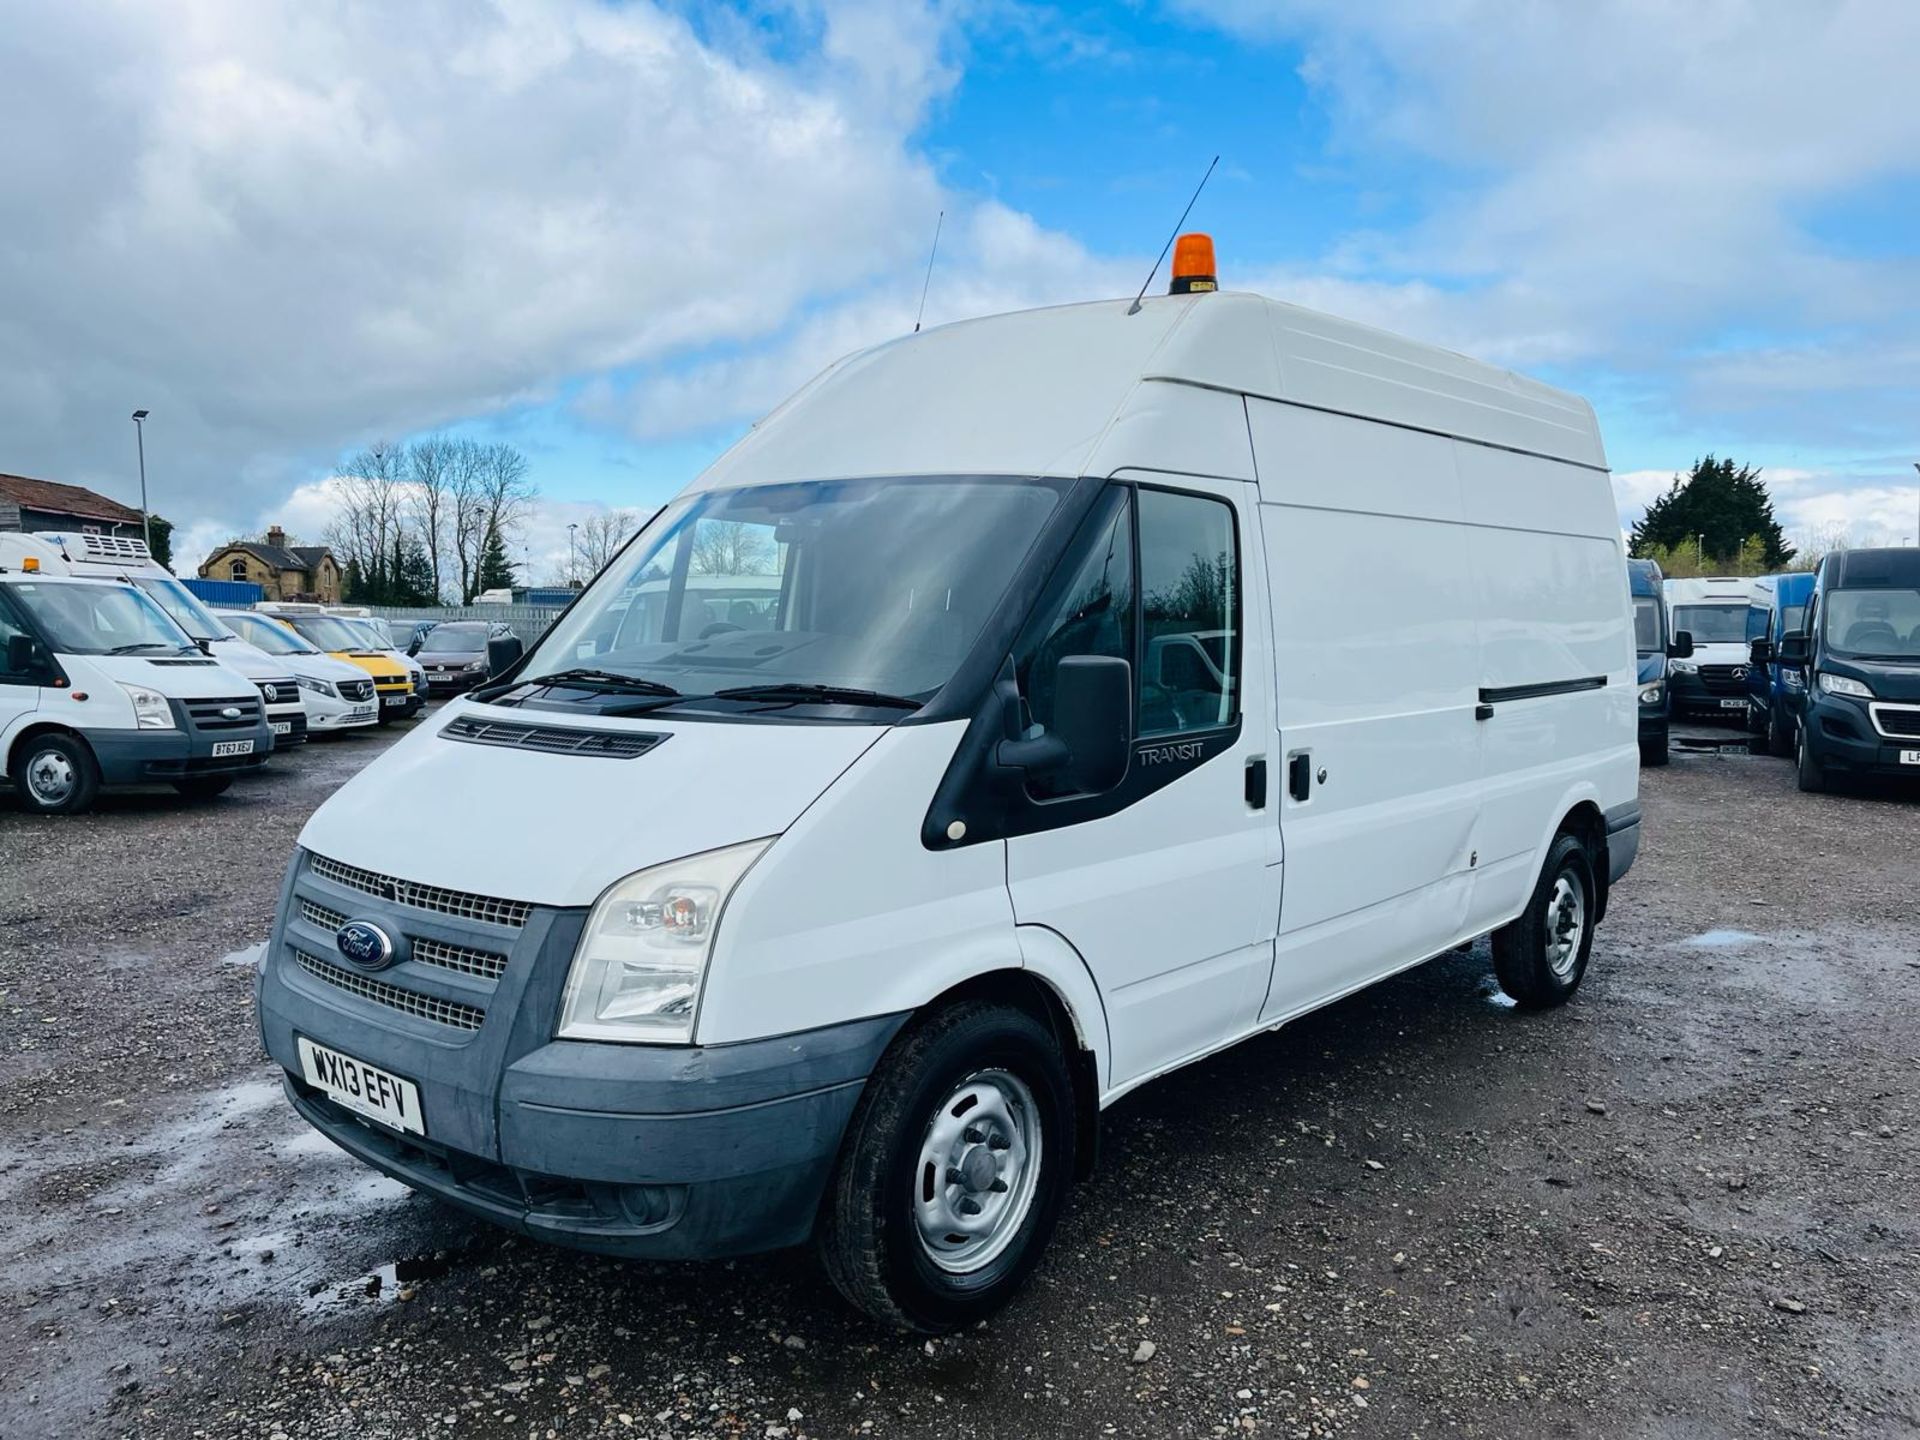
<point x="979" y="1166"/>
<point x="50" y="777"/>
<point x="1566" y="923"/>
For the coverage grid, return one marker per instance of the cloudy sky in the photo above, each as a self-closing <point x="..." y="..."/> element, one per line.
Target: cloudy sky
<point x="614" y="233"/>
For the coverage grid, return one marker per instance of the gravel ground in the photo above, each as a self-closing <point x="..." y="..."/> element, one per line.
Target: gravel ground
<point x="1678" y="1207"/>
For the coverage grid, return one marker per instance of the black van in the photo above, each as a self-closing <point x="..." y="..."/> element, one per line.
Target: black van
<point x="1859" y="658"/>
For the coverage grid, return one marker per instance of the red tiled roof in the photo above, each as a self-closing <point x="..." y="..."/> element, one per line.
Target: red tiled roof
<point x="65" y="500"/>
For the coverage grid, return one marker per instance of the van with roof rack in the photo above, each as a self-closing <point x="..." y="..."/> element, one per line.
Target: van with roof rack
<point x="100" y="687"/>
<point x="1112" y="683"/>
<point x="84" y="554"/>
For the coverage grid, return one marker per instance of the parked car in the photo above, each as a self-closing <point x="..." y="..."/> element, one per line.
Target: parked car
<point x="392" y="682"/>
<point x="153" y="709"/>
<point x="1712" y="681"/>
<point x="1776" y="606"/>
<point x="454" y="656"/>
<point x="844" y="926"/>
<point x="1655" y="650"/>
<point x="87" y="555"/>
<point x="1859" y="664"/>
<point x="337" y="696"/>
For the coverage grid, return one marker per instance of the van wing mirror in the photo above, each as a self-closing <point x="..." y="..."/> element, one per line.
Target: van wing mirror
<point x="23" y="655"/>
<point x="1682" y="645"/>
<point x="1794" y="649"/>
<point x="1093" y="717"/>
<point x="1760" y="652"/>
<point x="503" y="653"/>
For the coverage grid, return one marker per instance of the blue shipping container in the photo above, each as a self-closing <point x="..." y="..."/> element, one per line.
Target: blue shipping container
<point x="239" y="593"/>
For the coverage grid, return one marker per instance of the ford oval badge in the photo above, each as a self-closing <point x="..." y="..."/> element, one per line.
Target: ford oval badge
<point x="232" y="712"/>
<point x="365" y="944"/>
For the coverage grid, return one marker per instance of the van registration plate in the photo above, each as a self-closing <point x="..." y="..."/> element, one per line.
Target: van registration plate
<point x="1910" y="757"/>
<point x="1733" y="704"/>
<point x="396" y="699"/>
<point x="360" y="712"/>
<point x="362" y="1088"/>
<point x="283" y="727"/>
<point x="232" y="747"/>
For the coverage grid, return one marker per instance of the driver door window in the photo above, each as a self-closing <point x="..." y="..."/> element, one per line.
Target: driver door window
<point x="10" y="627"/>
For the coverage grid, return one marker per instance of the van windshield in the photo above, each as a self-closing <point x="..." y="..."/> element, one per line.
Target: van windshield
<point x="854" y="585"/>
<point x="329" y="633"/>
<point x="183" y="607"/>
<point x="458" y="638"/>
<point x="1646" y="625"/>
<point x="100" y="619"/>
<point x="1712" y="624"/>
<point x="1877" y="624"/>
<point x="269" y="636"/>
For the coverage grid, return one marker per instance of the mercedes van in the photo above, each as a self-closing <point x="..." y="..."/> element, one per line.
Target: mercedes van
<point x="1858" y="659"/>
<point x="1776" y="607"/>
<point x="1712" y="682"/>
<point x="99" y="687"/>
<point x="335" y="695"/>
<point x="90" y="555"/>
<point x="1138" y="679"/>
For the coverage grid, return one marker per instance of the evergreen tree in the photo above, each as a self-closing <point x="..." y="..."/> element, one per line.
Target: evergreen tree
<point x="496" y="571"/>
<point x="1720" y="512"/>
<point x="353" y="583"/>
<point x="160" y="538"/>
<point x="412" y="574"/>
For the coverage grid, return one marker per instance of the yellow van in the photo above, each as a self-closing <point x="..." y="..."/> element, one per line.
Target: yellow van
<point x="391" y="682"/>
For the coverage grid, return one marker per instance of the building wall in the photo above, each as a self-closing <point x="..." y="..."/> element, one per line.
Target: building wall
<point x="279" y="584"/>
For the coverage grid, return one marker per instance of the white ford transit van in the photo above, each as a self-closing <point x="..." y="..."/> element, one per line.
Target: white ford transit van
<point x="88" y="555"/>
<point x="99" y="687"/>
<point x="1131" y="684"/>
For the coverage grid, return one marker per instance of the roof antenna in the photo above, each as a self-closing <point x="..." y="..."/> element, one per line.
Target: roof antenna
<point x="1134" y="309"/>
<point x="938" y="221"/>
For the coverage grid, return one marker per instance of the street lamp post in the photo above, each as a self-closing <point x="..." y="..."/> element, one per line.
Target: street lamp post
<point x="1916" y="536"/>
<point x="573" y="556"/>
<point x="140" y="440"/>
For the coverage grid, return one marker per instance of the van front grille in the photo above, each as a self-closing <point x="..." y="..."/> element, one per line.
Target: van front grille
<point x="211" y="714"/>
<point x="485" y="908"/>
<point x="1721" y="679"/>
<point x="456" y="957"/>
<point x="355" y="690"/>
<point x="410" y="1002"/>
<point x="1900" y="720"/>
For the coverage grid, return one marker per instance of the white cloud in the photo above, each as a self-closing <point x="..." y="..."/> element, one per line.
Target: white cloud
<point x="289" y="225"/>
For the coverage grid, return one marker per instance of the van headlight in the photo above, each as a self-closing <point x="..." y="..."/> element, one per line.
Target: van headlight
<point x="1844" y="685"/>
<point x="318" y="687"/>
<point x="1684" y="667"/>
<point x="637" y="973"/>
<point x="150" y="709"/>
<point x="1650" y="695"/>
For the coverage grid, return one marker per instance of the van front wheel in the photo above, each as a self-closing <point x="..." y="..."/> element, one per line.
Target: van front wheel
<point x="56" y="774"/>
<point x="954" y="1170"/>
<point x="1541" y="957"/>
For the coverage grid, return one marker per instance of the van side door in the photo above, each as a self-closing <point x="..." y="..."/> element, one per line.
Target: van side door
<point x="1167" y="885"/>
<point x="19" y="686"/>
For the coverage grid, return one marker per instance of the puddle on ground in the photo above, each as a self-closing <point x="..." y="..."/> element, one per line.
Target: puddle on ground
<point x="1722" y="940"/>
<point x="383" y="1284"/>
<point x="250" y="957"/>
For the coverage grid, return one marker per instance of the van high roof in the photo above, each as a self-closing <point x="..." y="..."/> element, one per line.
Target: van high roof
<point x="1056" y="391"/>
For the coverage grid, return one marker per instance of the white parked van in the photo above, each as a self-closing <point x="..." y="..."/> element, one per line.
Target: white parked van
<point x="99" y="687"/>
<point x="1713" y="612"/>
<point x="336" y="696"/>
<point x="1133" y="684"/>
<point x="118" y="557"/>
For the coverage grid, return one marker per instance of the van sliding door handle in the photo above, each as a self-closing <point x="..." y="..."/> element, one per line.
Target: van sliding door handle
<point x="1483" y="711"/>
<point x="1300" y="776"/>
<point x="1257" y="783"/>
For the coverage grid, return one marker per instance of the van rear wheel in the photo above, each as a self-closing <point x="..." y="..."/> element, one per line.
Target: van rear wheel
<point x="56" y="774"/>
<point x="954" y="1170"/>
<point x="1541" y="957"/>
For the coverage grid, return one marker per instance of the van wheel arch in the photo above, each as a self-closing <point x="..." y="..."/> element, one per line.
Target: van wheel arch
<point x="1585" y="823"/>
<point x="9" y="762"/>
<point x="1026" y="991"/>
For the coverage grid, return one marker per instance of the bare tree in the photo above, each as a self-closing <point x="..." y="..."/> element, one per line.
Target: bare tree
<point x="600" y="537"/>
<point x="731" y="547"/>
<point x="467" y="516"/>
<point x="430" y="465"/>
<point x="366" y="531"/>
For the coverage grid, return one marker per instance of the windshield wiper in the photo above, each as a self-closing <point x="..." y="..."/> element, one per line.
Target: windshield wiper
<point x="150" y="645"/>
<point x="583" y="679"/>
<point x="797" y="692"/>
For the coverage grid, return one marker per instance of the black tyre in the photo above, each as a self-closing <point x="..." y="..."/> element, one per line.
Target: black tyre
<point x="1540" y="957"/>
<point x="55" y="774"/>
<point x="1653" y="752"/>
<point x="203" y="787"/>
<point x="1813" y="775"/>
<point x="1779" y="734"/>
<point x="954" y="1170"/>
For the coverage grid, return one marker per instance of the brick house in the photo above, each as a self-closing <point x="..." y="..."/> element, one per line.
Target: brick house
<point x="285" y="572"/>
<point x="28" y="504"/>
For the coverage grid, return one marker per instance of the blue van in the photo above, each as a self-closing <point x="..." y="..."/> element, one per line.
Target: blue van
<point x="1778" y="605"/>
<point x="1858" y="654"/>
<point x="1651" y="642"/>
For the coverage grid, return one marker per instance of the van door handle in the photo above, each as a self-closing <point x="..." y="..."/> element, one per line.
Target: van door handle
<point x="1257" y="783"/>
<point x="1300" y="776"/>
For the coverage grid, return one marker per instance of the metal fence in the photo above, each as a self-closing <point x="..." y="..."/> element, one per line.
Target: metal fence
<point x="529" y="622"/>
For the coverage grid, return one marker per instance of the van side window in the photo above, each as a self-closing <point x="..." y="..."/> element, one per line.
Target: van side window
<point x="1190" y="605"/>
<point x="1093" y="614"/>
<point x="9" y="627"/>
